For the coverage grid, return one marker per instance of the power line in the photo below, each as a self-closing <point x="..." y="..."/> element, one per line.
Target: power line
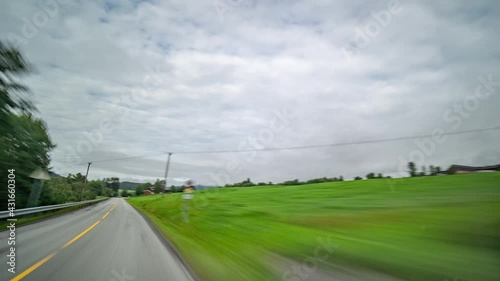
<point x="306" y="146"/>
<point x="337" y="144"/>
<point x="132" y="157"/>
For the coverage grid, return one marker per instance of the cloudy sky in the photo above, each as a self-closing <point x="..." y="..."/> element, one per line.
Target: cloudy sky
<point x="118" y="79"/>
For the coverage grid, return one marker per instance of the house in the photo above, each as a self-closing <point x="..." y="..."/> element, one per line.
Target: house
<point x="461" y="169"/>
<point x="148" y="192"/>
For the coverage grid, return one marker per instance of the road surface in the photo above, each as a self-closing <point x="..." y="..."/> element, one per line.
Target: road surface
<point x="109" y="241"/>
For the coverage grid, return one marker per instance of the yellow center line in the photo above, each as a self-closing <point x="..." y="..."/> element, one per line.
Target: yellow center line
<point x="33" y="267"/>
<point x="103" y="217"/>
<point x="81" y="234"/>
<point x="44" y="260"/>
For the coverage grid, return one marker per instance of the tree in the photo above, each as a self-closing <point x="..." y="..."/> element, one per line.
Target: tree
<point x="124" y="193"/>
<point x="341" y="178"/>
<point x="79" y="189"/>
<point x="57" y="191"/>
<point x="432" y="171"/>
<point x="380" y="176"/>
<point x="358" y="178"/>
<point x="292" y="182"/>
<point x="25" y="147"/>
<point x="24" y="141"/>
<point x="113" y="184"/>
<point x="13" y="96"/>
<point x="423" y="173"/>
<point x="158" y="186"/>
<point x="139" y="190"/>
<point x="76" y="178"/>
<point x="370" y="176"/>
<point x="412" y="169"/>
<point x="96" y="187"/>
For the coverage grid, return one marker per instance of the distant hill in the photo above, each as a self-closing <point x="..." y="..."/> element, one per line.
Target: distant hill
<point x="128" y="185"/>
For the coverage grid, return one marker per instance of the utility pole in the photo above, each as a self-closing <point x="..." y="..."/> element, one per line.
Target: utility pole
<point x="85" y="180"/>
<point x="166" y="170"/>
<point x="86" y="175"/>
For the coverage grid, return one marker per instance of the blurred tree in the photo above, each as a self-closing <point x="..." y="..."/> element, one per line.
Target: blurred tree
<point x="79" y="188"/>
<point x="76" y="178"/>
<point x="57" y="191"/>
<point x="370" y="176"/>
<point x="432" y="170"/>
<point x="423" y="172"/>
<point x="113" y="184"/>
<point x="24" y="141"/>
<point x="97" y="187"/>
<point x="124" y="193"/>
<point x="12" y="94"/>
<point x="157" y="187"/>
<point x="139" y="190"/>
<point x="412" y="169"/>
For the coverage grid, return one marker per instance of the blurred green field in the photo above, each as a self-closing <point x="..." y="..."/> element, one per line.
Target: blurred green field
<point x="130" y="192"/>
<point x="425" y="228"/>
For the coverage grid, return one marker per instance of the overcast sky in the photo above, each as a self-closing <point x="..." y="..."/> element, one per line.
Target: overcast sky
<point x="120" y="79"/>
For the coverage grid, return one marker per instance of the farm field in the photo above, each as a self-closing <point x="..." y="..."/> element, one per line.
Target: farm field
<point x="424" y="228"/>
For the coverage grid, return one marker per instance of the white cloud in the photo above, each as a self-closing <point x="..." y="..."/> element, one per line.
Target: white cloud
<point x="217" y="82"/>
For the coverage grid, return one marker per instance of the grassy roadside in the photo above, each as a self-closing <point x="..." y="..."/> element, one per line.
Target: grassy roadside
<point x="428" y="228"/>
<point x="37" y="217"/>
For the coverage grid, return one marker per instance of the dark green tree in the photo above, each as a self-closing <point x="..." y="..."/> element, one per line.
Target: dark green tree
<point x="158" y="186"/>
<point x="24" y="141"/>
<point x="412" y="169"/>
<point x="139" y="190"/>
<point x="113" y="184"/>
<point x="124" y="193"/>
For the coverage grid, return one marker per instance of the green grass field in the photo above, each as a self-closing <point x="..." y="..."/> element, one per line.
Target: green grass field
<point x="130" y="192"/>
<point x="426" y="228"/>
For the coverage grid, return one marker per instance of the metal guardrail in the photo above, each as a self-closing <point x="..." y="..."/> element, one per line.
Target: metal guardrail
<point x="34" y="210"/>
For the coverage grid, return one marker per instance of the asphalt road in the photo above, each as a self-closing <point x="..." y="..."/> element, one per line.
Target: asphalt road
<point x="91" y="244"/>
